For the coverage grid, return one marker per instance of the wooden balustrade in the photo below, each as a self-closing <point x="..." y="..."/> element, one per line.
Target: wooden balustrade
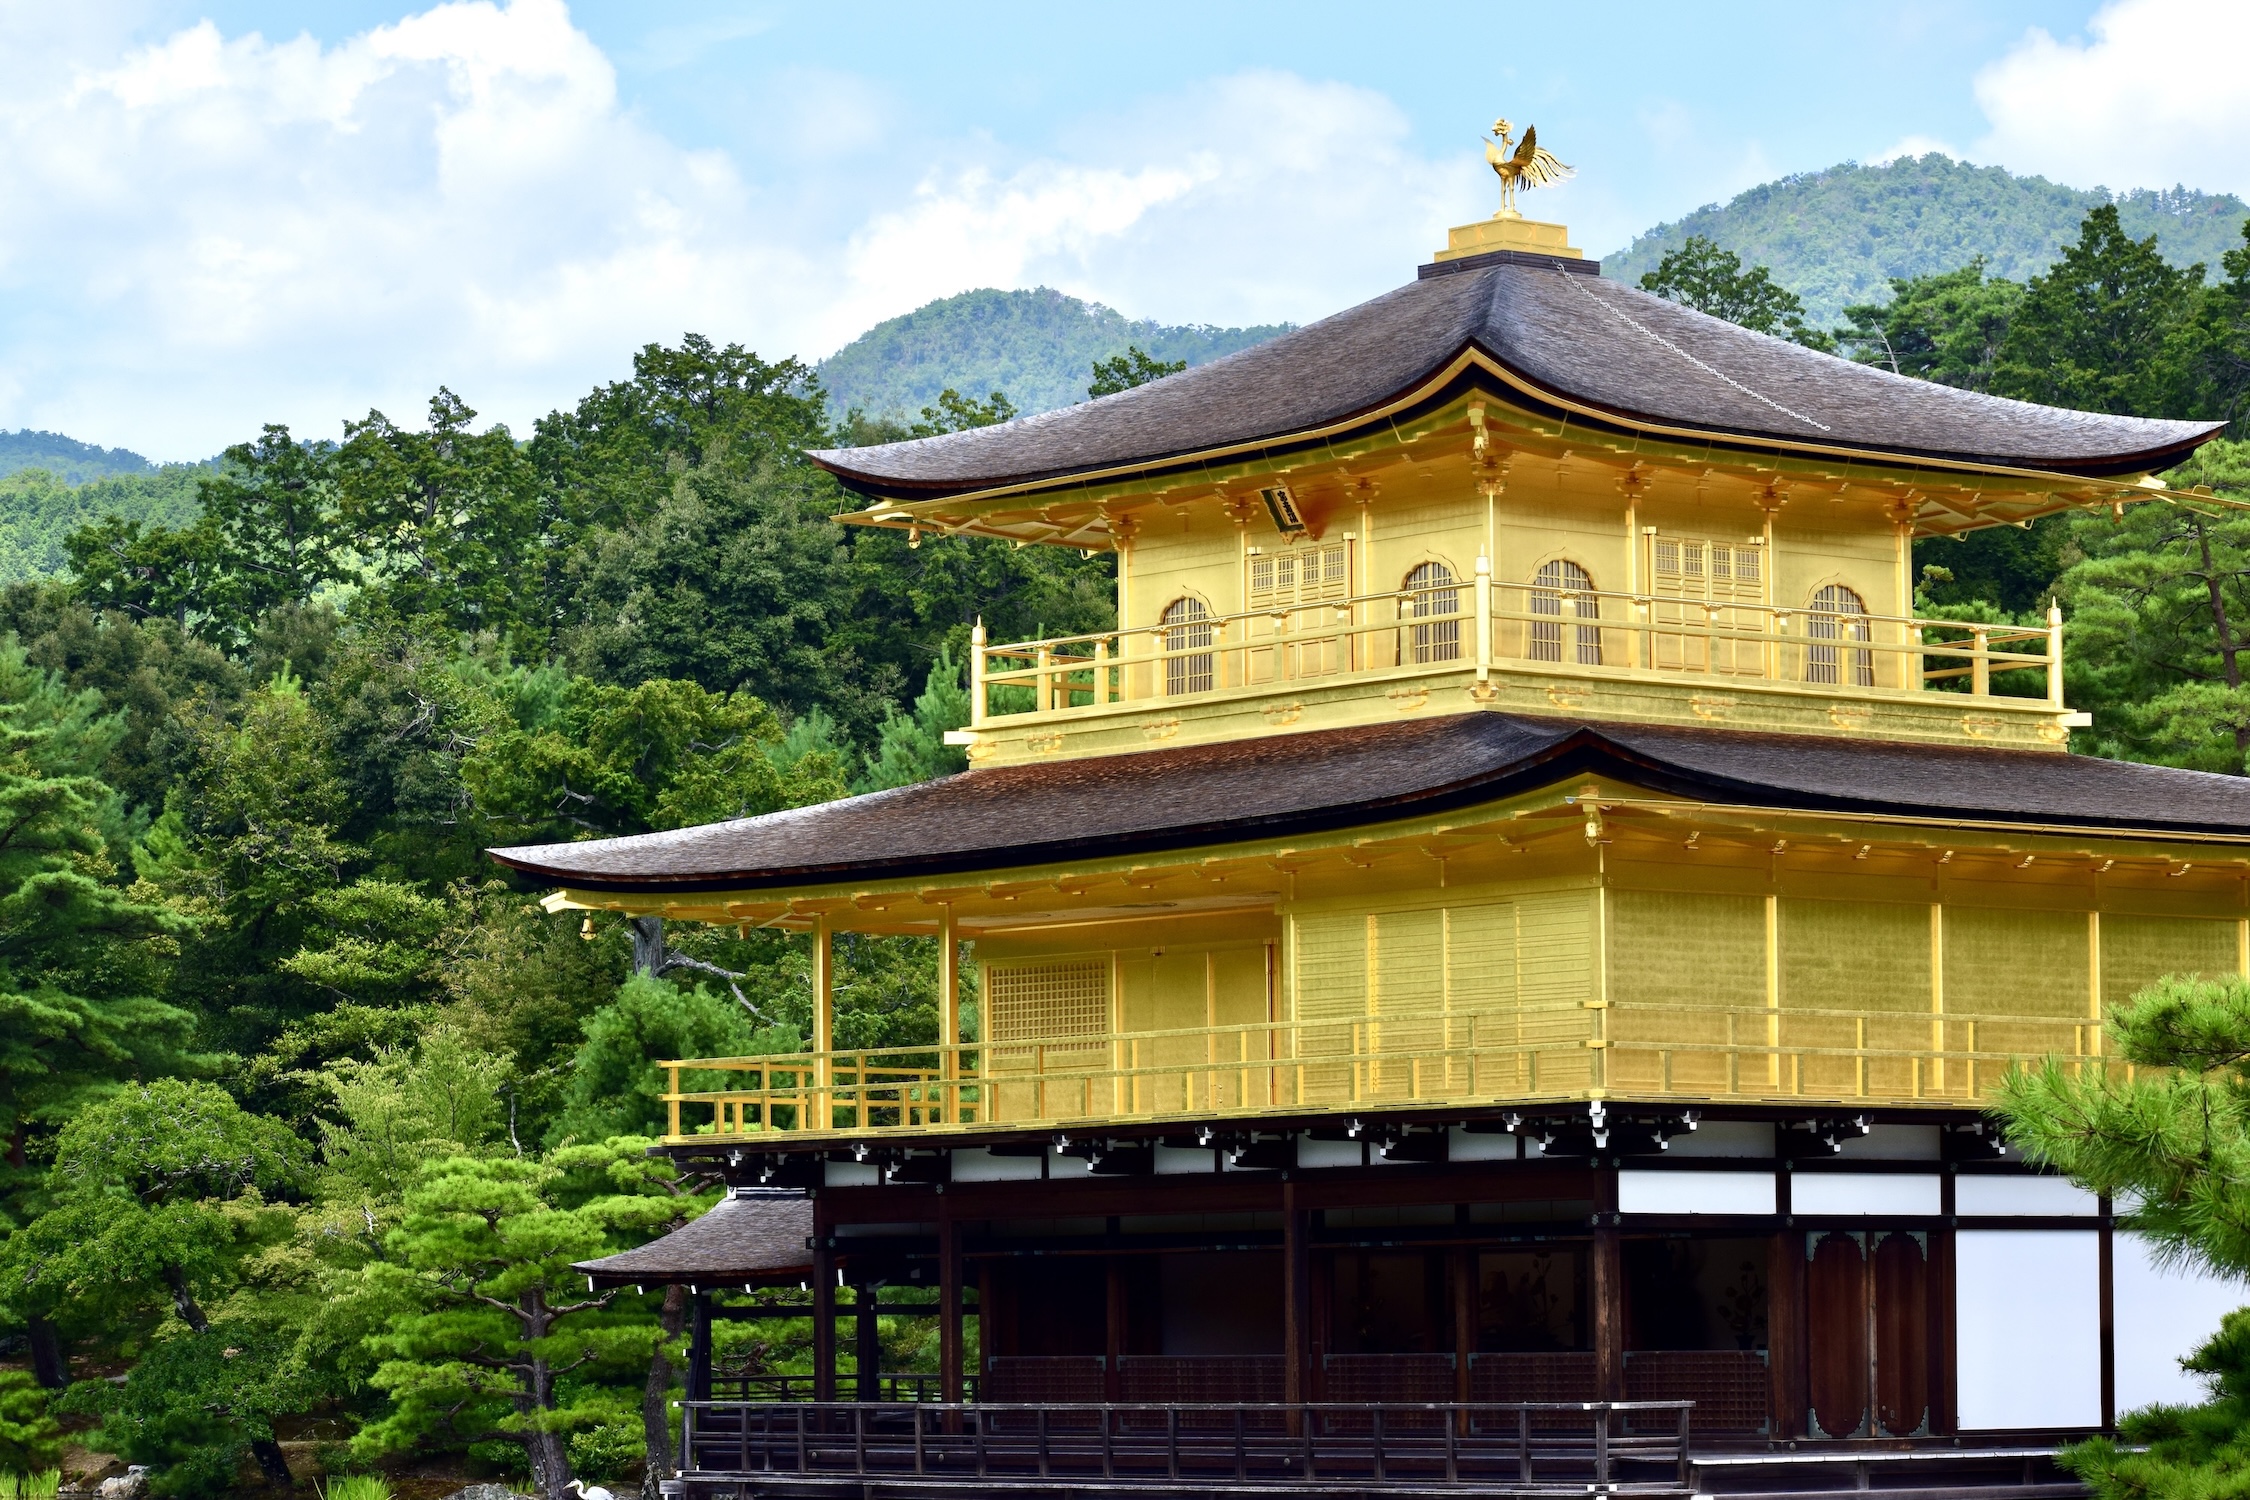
<point x="1547" y="1052"/>
<point x="1492" y="1447"/>
<point x="1486" y="624"/>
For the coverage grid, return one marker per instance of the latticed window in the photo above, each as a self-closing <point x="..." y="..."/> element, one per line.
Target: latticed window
<point x="1563" y="588"/>
<point x="1187" y="628"/>
<point x="1299" y="576"/>
<point x="1838" y="614"/>
<point x="1061" y="1000"/>
<point x="1431" y="589"/>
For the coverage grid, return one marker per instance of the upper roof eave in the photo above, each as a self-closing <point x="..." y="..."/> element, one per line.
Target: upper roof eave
<point x="1434" y="387"/>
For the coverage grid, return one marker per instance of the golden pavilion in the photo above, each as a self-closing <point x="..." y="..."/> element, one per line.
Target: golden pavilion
<point x="1489" y="971"/>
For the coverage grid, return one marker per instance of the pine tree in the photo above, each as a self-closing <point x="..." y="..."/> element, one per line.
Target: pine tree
<point x="76" y="1013"/>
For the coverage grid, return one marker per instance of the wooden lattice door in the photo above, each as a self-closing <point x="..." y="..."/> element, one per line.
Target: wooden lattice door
<point x="1700" y="587"/>
<point x="1867" y="1334"/>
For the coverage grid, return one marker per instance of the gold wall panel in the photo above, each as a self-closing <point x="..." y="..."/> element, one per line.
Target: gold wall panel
<point x="2138" y="951"/>
<point x="1697" y="962"/>
<point x="2032" y="964"/>
<point x="1871" y="962"/>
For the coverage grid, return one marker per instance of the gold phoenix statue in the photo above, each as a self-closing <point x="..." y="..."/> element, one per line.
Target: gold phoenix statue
<point x="1532" y="165"/>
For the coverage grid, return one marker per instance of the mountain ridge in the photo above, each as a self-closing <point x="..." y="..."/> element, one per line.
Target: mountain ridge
<point x="1837" y="236"/>
<point x="1038" y="347"/>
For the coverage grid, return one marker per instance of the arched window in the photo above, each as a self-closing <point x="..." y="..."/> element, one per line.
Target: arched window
<point x="1431" y="589"/>
<point x="1838" y="614"/>
<point x="1559" y="588"/>
<point x="1187" y="627"/>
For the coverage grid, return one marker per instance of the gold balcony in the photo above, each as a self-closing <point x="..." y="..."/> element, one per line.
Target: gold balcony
<point x="1535" y="1054"/>
<point x="1482" y="643"/>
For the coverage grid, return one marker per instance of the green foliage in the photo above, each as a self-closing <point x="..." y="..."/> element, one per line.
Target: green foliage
<point x="1839" y="236"/>
<point x="1130" y="369"/>
<point x="2174" y="1139"/>
<point x="614" y="1083"/>
<point x="912" y="746"/>
<point x="2159" y="604"/>
<point x="77" y="1012"/>
<point x="30" y="1438"/>
<point x="1947" y="327"/>
<point x="1701" y="275"/>
<point x="356" y="1487"/>
<point x="407" y="1108"/>
<point x="665" y="754"/>
<point x="609" y="1451"/>
<point x="955" y="412"/>
<point x="487" y="1331"/>
<point x="1036" y="345"/>
<point x="2180" y="1452"/>
<point x="40" y="508"/>
<point x="2093" y="331"/>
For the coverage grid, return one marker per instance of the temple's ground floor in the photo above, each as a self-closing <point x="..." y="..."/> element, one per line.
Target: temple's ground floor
<point x="1889" y="1302"/>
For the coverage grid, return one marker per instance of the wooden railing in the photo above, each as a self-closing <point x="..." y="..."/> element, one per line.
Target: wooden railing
<point x="1508" y="1448"/>
<point x="1548" y="1052"/>
<point x="1483" y="624"/>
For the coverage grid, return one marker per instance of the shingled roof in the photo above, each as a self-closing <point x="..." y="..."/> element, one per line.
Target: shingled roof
<point x="1637" y="359"/>
<point x="752" y="1236"/>
<point x="1007" y="817"/>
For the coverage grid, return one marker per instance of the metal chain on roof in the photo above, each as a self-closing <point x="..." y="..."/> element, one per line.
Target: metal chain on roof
<point x="1639" y="327"/>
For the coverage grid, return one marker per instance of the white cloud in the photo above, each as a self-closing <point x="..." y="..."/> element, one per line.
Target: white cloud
<point x="1259" y="197"/>
<point x="2156" y="96"/>
<point x="206" y="232"/>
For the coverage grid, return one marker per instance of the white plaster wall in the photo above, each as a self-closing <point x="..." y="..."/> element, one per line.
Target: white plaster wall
<point x="2029" y="1327"/>
<point x="2162" y="1314"/>
<point x="1695" y="1192"/>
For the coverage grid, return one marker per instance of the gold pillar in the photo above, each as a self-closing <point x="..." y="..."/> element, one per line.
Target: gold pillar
<point x="823" y="1019"/>
<point x="949" y="1002"/>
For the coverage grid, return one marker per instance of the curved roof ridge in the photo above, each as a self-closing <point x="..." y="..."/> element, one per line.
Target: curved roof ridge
<point x="1612" y="350"/>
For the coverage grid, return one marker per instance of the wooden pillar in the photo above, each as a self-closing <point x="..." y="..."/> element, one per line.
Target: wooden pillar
<point x="949" y="1303"/>
<point x="1785" y="1315"/>
<point x="2109" y="1318"/>
<point x="1464" y="1319"/>
<point x="699" y="1348"/>
<point x="1296" y="1298"/>
<point x="824" y="1309"/>
<point x="1609" y="1290"/>
<point x="1114" y="1330"/>
<point x="867" y="1343"/>
<point x="1945" y="1390"/>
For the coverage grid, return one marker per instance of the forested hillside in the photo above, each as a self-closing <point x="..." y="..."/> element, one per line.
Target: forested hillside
<point x="40" y="508"/>
<point x="1839" y="236"/>
<point x="67" y="458"/>
<point x="1036" y="346"/>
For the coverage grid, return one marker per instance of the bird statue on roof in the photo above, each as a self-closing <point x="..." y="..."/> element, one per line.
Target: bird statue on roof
<point x="1532" y="165"/>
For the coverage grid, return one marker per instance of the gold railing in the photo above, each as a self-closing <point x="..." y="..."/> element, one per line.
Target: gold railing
<point x="1483" y="624"/>
<point x="1576" y="1050"/>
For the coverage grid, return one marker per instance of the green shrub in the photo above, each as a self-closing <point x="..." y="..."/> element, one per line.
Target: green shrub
<point x="356" y="1487"/>
<point x="40" y="1486"/>
<point x="609" y="1451"/>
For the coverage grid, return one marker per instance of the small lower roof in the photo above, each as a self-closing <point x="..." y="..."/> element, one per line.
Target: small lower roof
<point x="1007" y="817"/>
<point x="754" y="1235"/>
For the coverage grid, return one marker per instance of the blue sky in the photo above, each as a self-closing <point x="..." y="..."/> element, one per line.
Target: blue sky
<point x="214" y="215"/>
